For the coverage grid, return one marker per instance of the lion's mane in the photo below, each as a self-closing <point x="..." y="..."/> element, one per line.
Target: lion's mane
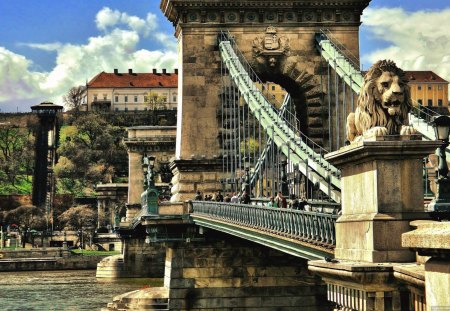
<point x="369" y="112"/>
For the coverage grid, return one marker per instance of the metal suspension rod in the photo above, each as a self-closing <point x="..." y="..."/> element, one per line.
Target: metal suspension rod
<point x="329" y="107"/>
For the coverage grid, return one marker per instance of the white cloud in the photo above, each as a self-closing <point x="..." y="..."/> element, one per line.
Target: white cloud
<point x="107" y="18"/>
<point x="117" y="47"/>
<point x="418" y="40"/>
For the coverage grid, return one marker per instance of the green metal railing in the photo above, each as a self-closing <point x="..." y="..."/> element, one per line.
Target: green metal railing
<point x="313" y="227"/>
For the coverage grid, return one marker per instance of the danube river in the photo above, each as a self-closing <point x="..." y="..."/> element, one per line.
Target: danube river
<point x="69" y="290"/>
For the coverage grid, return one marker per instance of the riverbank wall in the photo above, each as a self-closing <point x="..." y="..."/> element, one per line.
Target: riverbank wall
<point x="46" y="259"/>
<point x="50" y="263"/>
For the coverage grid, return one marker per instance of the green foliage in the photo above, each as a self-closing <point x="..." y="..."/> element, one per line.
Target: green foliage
<point x="155" y="101"/>
<point x="251" y="145"/>
<point x="23" y="185"/>
<point x="91" y="151"/>
<point x="94" y="253"/>
<point x="16" y="159"/>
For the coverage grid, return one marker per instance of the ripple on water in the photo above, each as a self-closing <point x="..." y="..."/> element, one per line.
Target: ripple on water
<point x="72" y="290"/>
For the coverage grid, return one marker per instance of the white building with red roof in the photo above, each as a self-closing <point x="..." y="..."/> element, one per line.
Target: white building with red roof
<point x="131" y="91"/>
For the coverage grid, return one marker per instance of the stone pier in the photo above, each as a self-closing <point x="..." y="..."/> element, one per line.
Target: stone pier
<point x="227" y="273"/>
<point x="382" y="192"/>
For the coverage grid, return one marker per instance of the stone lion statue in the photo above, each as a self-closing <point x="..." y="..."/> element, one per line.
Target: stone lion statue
<point x="383" y="104"/>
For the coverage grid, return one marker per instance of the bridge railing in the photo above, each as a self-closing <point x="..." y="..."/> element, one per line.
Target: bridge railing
<point x="308" y="226"/>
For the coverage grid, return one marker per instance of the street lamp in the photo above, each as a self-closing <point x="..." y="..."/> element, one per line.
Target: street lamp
<point x="441" y="129"/>
<point x="145" y="169"/>
<point x="441" y="203"/>
<point x="247" y="186"/>
<point x="284" y="182"/>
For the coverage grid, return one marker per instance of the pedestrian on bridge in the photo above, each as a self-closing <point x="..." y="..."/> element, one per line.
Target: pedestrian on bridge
<point x="234" y="198"/>
<point x="245" y="199"/>
<point x="198" y="196"/>
<point x="271" y="202"/>
<point x="219" y="197"/>
<point x="281" y="200"/>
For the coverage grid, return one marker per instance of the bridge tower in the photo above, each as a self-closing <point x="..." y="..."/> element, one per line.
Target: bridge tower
<point x="277" y="37"/>
<point x="45" y="159"/>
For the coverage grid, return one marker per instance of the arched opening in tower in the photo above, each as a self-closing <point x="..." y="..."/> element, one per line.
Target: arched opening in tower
<point x="297" y="96"/>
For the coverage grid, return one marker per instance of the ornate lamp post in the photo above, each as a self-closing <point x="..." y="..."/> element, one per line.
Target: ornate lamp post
<point x="150" y="195"/>
<point x="442" y="201"/>
<point x="247" y="185"/>
<point x="145" y="170"/>
<point x="284" y="181"/>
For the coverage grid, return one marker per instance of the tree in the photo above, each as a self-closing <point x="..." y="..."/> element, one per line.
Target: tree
<point x="155" y="101"/>
<point x="81" y="217"/>
<point x="78" y="217"/>
<point x="250" y="145"/>
<point x="16" y="159"/>
<point x="74" y="98"/>
<point x="26" y="217"/>
<point x="91" y="151"/>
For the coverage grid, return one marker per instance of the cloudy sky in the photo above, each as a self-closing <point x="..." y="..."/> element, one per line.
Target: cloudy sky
<point x="48" y="46"/>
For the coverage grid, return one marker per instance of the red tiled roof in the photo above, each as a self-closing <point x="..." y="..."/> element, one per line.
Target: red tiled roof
<point x="424" y="77"/>
<point x="105" y="79"/>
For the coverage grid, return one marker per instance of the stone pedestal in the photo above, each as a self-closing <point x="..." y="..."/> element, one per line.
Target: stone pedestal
<point x="433" y="239"/>
<point x="195" y="175"/>
<point x="382" y="191"/>
<point x="132" y="211"/>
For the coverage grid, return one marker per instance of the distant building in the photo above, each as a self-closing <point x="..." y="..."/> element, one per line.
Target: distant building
<point x="428" y="89"/>
<point x="273" y="92"/>
<point x="132" y="91"/>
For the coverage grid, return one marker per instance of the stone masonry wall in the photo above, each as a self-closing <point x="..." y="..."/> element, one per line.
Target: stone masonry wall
<point x="237" y="275"/>
<point x="142" y="259"/>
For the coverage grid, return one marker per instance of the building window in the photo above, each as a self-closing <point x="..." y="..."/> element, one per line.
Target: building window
<point x="117" y="109"/>
<point x="429" y="87"/>
<point x="440" y="102"/>
<point x="273" y="96"/>
<point x="273" y="87"/>
<point x="164" y="99"/>
<point x="420" y="102"/>
<point x="145" y="99"/>
<point x="105" y="96"/>
<point x="135" y="109"/>
<point x="419" y="87"/>
<point x="126" y="109"/>
<point x="440" y="87"/>
<point x="95" y="97"/>
<point x="174" y="98"/>
<point x="116" y="98"/>
<point x="430" y="102"/>
<point x="135" y="99"/>
<point x="126" y="98"/>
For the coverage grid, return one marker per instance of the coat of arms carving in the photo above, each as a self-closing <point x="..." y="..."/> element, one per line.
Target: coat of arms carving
<point x="271" y="46"/>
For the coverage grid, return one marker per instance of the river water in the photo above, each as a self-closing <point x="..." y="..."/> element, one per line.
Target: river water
<point x="71" y="290"/>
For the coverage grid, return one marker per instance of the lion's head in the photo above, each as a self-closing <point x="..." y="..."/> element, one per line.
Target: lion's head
<point x="385" y="97"/>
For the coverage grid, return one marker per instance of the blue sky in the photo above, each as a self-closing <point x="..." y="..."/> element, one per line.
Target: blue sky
<point x="47" y="46"/>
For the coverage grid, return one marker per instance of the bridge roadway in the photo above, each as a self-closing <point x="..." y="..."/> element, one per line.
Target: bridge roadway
<point x="307" y="234"/>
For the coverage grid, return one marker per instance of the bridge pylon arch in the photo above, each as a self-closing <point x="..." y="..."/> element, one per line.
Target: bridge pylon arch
<point x="277" y="37"/>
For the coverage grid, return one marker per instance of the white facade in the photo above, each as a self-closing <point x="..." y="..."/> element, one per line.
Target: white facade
<point x="131" y="99"/>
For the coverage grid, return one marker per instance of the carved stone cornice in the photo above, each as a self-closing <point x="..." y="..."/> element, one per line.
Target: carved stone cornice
<point x="197" y="165"/>
<point x="143" y="146"/>
<point x="181" y="12"/>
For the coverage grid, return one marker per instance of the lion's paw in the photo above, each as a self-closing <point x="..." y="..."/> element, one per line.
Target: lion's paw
<point x="378" y="131"/>
<point x="408" y="130"/>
